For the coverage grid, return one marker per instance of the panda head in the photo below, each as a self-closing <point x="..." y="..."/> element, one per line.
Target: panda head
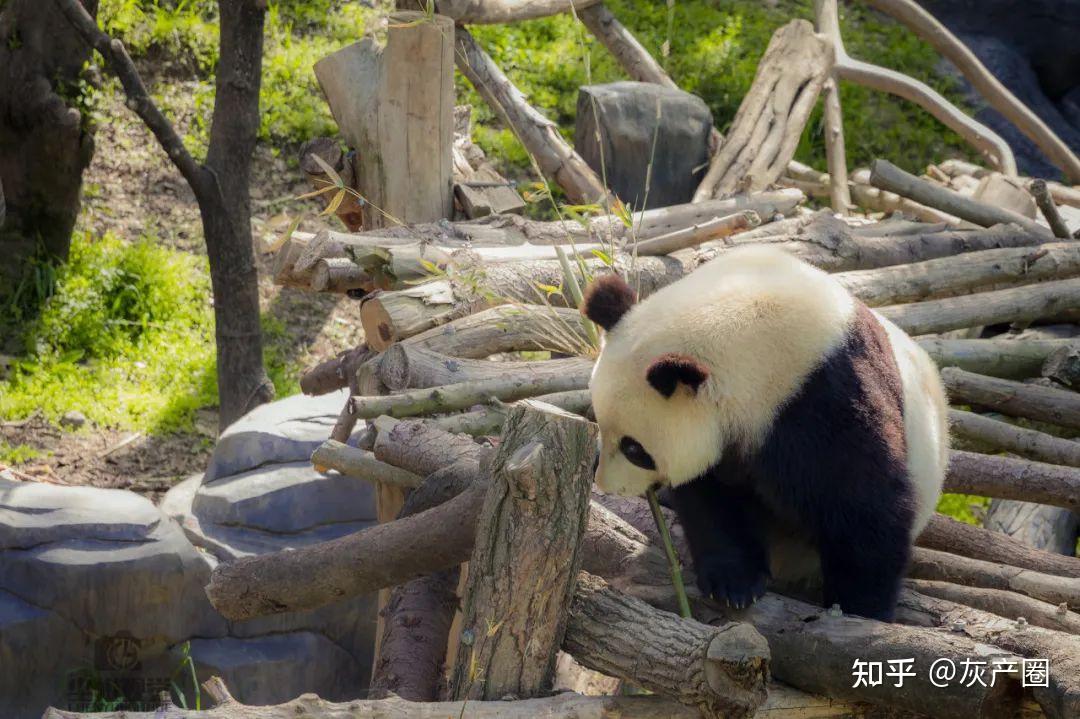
<point x="652" y="397"/>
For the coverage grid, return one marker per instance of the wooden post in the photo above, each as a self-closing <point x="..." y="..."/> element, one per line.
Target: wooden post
<point x="526" y="556"/>
<point x="394" y="103"/>
<point x="827" y="22"/>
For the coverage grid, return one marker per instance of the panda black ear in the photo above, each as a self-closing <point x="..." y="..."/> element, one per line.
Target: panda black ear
<point x="667" y="371"/>
<point x="607" y="299"/>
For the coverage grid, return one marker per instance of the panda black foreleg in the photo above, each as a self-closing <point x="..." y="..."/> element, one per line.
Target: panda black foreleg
<point x="723" y="527"/>
<point x="863" y="565"/>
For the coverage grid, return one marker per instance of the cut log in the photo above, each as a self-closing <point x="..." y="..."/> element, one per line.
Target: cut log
<point x="1006" y="358"/>
<point x="510" y="328"/>
<point x="1002" y="436"/>
<point x="421" y="448"/>
<point x="525" y="559"/>
<point x="875" y="200"/>
<point x="721" y="670"/>
<point x="405" y="367"/>
<point x="1009" y="478"/>
<point x="339" y="275"/>
<point x="948" y="535"/>
<point x="334" y="374"/>
<point x="993" y="91"/>
<point x="394" y="104"/>
<point x="1020" y="304"/>
<point x="353" y="462"/>
<point x="560" y="706"/>
<point x="1054" y="406"/>
<point x="489" y="420"/>
<point x="695" y="234"/>
<point x="1059" y="700"/>
<point x="539" y="135"/>
<point x="478" y="187"/>
<point x="771" y="118"/>
<point x="1001" y="602"/>
<point x="951" y="276"/>
<point x="1042" y="526"/>
<point x="497" y="12"/>
<point x="887" y="176"/>
<point x="943" y="566"/>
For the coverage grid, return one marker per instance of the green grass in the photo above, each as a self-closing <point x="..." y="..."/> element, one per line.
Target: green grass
<point x="967" y="508"/>
<point x="14" y="454"/>
<point x="128" y="339"/>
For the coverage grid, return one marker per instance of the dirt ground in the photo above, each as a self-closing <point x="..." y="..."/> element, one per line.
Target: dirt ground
<point x="131" y="189"/>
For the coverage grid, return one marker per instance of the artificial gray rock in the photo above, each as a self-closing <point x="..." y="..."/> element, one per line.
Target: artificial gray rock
<point x="288" y="430"/>
<point x="632" y="131"/>
<point x="274" y="669"/>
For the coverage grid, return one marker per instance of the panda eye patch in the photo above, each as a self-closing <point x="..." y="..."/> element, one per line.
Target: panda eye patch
<point x="635" y="453"/>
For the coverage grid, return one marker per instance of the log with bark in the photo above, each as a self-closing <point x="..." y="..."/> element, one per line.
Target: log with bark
<point x="993" y="434"/>
<point x="1005" y="358"/>
<point x="405" y="367"/>
<point x="1043" y="199"/>
<point x="1002" y="602"/>
<point x="1045" y="404"/>
<point x="349" y="208"/>
<point x="1019" y="304"/>
<point x="525" y="558"/>
<point x="1008" y="478"/>
<point x="949" y="535"/>
<point x="887" y="176"/>
<point x="771" y="118"/>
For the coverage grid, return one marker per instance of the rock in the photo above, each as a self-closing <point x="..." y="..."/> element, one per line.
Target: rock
<point x="641" y="124"/>
<point x="275" y="669"/>
<point x="288" y="430"/>
<point x="1063" y="367"/>
<point x="1037" y="525"/>
<point x="73" y="419"/>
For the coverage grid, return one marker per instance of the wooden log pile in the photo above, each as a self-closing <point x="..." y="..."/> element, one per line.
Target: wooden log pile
<point x="469" y="412"/>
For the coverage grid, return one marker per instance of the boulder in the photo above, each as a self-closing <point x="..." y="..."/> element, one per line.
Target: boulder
<point x="288" y="430"/>
<point x="624" y="127"/>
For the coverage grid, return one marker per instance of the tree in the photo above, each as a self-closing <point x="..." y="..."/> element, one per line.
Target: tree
<point x="220" y="184"/>
<point x="44" y="142"/>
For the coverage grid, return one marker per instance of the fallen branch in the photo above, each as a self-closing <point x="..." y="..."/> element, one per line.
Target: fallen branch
<point x="943" y="566"/>
<point x="404" y="367"/>
<point x="1003" y="603"/>
<point x="353" y="462"/>
<point x="1019" y="304"/>
<point x="1041" y="193"/>
<point x="1002" y="436"/>
<point x="962" y="274"/>
<point x="875" y="200"/>
<point x="949" y="535"/>
<point x="1006" y="358"/>
<point x="540" y="136"/>
<point x="722" y="670"/>
<point x="887" y="176"/>
<point x="827" y="22"/>
<point x="695" y="235"/>
<point x="773" y="113"/>
<point x="1059" y="700"/>
<point x="1008" y="478"/>
<point x="334" y="374"/>
<point x="1045" y="404"/>
<point x="489" y="420"/>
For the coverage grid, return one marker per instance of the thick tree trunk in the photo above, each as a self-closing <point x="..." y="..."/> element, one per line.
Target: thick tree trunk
<point x="44" y="145"/>
<point x="526" y="555"/>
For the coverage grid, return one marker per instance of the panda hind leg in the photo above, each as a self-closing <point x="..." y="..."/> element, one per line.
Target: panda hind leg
<point x="723" y="526"/>
<point x="862" y="570"/>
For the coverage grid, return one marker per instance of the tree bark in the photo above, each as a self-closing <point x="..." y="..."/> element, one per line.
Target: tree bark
<point x="1019" y="304"/>
<point x="887" y="176"/>
<point x="353" y="462"/>
<point x="770" y="120"/>
<point x="948" y="535"/>
<point x="221" y="189"/>
<point x="1055" y="406"/>
<point x="1061" y="699"/>
<point x="1041" y="193"/>
<point x="507" y="328"/>
<point x="526" y="555"/>
<point x="405" y="367"/>
<point x="827" y="22"/>
<point x="1002" y="436"/>
<point x="943" y="566"/>
<point x="45" y="144"/>
<point x="723" y="670"/>
<point x="540" y="137"/>
<point x="1008" y="478"/>
<point x="1003" y="603"/>
<point x="695" y="235"/>
<point x="963" y="274"/>
<point x="1005" y="358"/>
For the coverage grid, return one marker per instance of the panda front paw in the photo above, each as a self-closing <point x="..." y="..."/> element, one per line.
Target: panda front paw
<point x="737" y="582"/>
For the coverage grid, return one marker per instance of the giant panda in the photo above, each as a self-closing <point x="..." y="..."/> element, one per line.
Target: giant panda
<point x="798" y="433"/>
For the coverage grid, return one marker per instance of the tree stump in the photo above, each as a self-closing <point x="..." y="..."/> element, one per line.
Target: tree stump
<point x="526" y="556"/>
<point x="394" y="103"/>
